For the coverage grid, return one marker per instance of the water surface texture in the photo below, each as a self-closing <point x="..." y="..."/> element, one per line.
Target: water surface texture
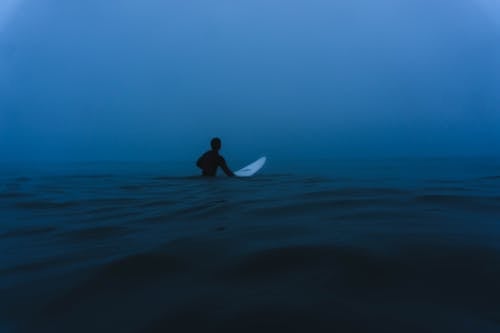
<point x="357" y="246"/>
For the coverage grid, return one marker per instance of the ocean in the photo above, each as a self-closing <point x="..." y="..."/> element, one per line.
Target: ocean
<point x="395" y="245"/>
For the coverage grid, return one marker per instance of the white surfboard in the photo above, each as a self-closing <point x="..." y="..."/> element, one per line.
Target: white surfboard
<point x="251" y="169"/>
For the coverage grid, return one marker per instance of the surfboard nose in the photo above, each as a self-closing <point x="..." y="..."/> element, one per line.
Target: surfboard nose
<point x="252" y="168"/>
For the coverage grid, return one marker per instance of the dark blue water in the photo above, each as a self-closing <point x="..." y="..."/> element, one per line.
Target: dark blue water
<point x="344" y="246"/>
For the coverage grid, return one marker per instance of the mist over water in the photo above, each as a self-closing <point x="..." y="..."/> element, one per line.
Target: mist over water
<point x="155" y="80"/>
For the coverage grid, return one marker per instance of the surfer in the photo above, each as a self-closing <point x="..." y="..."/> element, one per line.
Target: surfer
<point x="211" y="160"/>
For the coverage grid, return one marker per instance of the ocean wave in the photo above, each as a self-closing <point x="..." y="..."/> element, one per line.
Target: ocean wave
<point x="355" y="192"/>
<point x="132" y="187"/>
<point x="379" y="215"/>
<point x="38" y="265"/>
<point x="133" y="271"/>
<point x="139" y="268"/>
<point x="454" y="199"/>
<point x="14" y="195"/>
<point x="269" y="262"/>
<point x="490" y="178"/>
<point x="90" y="176"/>
<point x="158" y="203"/>
<point x="46" y="204"/>
<point x="24" y="232"/>
<point x="96" y="233"/>
<point x="23" y="179"/>
<point x="316" y="206"/>
<point x="186" y="286"/>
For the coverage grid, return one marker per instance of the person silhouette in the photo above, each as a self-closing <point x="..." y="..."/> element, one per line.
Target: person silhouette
<point x="211" y="160"/>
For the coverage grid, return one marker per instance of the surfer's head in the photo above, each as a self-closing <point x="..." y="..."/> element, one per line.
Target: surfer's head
<point x="215" y="143"/>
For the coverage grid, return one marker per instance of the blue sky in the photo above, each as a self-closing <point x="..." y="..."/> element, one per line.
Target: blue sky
<point x="155" y="80"/>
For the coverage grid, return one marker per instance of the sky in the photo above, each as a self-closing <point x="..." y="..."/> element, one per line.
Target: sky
<point x="155" y="80"/>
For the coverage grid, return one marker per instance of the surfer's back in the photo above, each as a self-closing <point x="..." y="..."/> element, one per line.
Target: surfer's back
<point x="210" y="161"/>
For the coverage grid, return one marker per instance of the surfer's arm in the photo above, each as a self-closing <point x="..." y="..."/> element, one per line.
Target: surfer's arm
<point x="223" y="165"/>
<point x="199" y="163"/>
